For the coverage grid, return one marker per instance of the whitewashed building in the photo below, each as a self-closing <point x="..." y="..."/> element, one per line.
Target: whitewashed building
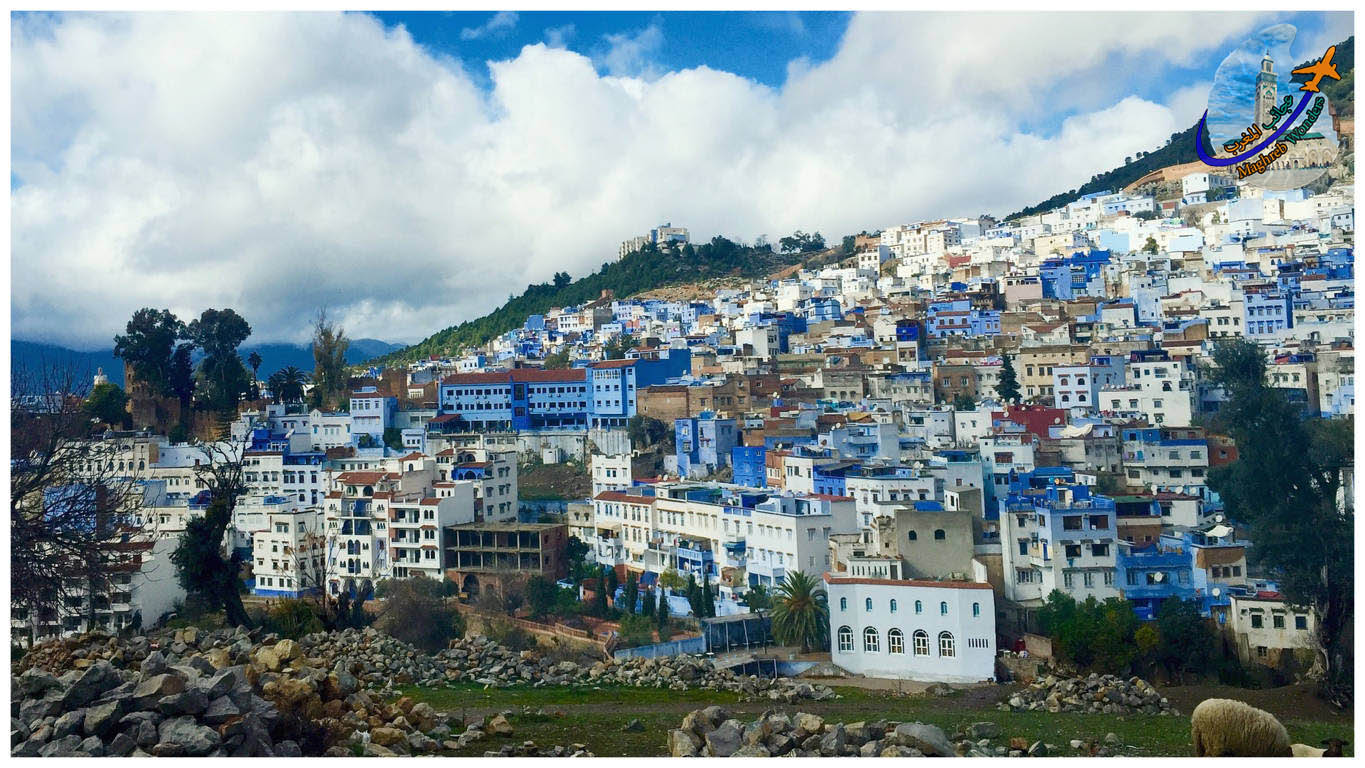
<point x="912" y="630"/>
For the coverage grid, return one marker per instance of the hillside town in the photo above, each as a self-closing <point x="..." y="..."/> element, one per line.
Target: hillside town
<point x="948" y="425"/>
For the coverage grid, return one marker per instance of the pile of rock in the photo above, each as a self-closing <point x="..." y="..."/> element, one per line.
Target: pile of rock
<point x="711" y="732"/>
<point x="225" y="692"/>
<point x="380" y="662"/>
<point x="189" y="709"/>
<point x="1106" y="694"/>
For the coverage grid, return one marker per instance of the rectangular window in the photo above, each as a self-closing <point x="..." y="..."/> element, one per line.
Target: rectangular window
<point x="1255" y="621"/>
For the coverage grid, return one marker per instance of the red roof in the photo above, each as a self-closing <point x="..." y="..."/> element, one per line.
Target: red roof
<point x="526" y="375"/>
<point x="830" y="497"/>
<point x="614" y="364"/>
<point x="623" y="497"/>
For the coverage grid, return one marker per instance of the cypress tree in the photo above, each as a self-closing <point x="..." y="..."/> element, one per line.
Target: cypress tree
<point x="1008" y="387"/>
<point x="662" y="616"/>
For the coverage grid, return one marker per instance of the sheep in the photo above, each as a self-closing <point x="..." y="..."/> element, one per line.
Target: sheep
<point x="1226" y="727"/>
<point x="1330" y="748"/>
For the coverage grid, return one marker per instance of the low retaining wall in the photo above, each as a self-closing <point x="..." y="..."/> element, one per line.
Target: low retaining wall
<point x="671" y="648"/>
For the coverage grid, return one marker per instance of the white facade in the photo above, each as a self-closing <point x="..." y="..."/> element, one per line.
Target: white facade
<point x="912" y="630"/>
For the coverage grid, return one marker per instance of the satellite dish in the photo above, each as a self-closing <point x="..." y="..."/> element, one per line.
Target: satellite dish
<point x="1218" y="518"/>
<point x="1216" y="591"/>
<point x="1159" y="576"/>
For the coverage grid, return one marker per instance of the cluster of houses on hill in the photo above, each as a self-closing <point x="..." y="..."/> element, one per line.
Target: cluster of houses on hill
<point x="960" y="418"/>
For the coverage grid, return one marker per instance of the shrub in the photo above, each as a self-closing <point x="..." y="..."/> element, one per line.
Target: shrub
<point x="636" y="630"/>
<point x="416" y="612"/>
<point x="293" y="619"/>
<point x="510" y="636"/>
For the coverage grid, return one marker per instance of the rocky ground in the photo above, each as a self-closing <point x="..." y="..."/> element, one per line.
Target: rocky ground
<point x="225" y="693"/>
<point x="1105" y="694"/>
<point x="712" y="732"/>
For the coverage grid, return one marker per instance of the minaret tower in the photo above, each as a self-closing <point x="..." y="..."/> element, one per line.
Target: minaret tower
<point x="1265" y="89"/>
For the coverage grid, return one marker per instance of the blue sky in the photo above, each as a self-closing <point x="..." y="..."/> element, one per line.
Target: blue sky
<point x="756" y="45"/>
<point x="279" y="162"/>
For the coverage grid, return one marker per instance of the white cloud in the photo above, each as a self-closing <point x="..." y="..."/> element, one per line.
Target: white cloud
<point x="279" y="162"/>
<point x="631" y="55"/>
<point x="558" y="37"/>
<point x="497" y="25"/>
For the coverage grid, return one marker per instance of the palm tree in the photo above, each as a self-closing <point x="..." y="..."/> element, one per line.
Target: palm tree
<point x="287" y="384"/>
<point x="799" y="613"/>
<point x="254" y="360"/>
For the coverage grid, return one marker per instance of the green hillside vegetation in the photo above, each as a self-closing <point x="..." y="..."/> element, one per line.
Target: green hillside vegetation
<point x="1180" y="147"/>
<point x="1340" y="93"/>
<point x="643" y="270"/>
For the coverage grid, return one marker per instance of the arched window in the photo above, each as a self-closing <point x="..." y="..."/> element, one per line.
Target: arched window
<point x="945" y="644"/>
<point x="893" y="605"/>
<point x="976" y="609"/>
<point x="871" y="643"/>
<point x="141" y="464"/>
<point x="921" y="639"/>
<point x="845" y="640"/>
<point x="895" y="641"/>
<point x="913" y="536"/>
<point x="843" y="603"/>
<point x="939" y="535"/>
<point x="867" y="604"/>
<point x="943" y="609"/>
<point x="919" y="607"/>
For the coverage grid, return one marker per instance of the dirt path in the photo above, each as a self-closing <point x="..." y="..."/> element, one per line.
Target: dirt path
<point x="1291" y="702"/>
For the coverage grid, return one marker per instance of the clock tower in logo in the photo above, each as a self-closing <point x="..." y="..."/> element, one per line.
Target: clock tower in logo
<point x="1265" y="89"/>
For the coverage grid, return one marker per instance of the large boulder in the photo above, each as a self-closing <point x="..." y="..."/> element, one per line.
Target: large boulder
<point x="724" y="739"/>
<point x="928" y="739"/>
<point x="187" y="735"/>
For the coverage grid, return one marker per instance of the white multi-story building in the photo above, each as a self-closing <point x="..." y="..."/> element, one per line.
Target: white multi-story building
<point x="1162" y="391"/>
<point x="288" y="555"/>
<point x="912" y="630"/>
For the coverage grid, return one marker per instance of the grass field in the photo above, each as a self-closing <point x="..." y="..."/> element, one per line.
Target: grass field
<point x="595" y="716"/>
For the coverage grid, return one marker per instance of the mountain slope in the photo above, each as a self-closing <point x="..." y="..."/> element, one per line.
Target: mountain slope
<point x="1180" y="147"/>
<point x="640" y="271"/>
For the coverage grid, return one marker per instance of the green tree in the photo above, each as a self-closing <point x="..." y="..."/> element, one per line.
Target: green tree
<point x="849" y="243"/>
<point x="108" y="403"/>
<point x="329" y="358"/>
<point x="800" y="616"/>
<point x="1151" y="246"/>
<point x="1290" y="483"/>
<point x="1007" y="389"/>
<point x="146" y="346"/>
<point x="661" y="618"/>
<point x="576" y="552"/>
<point x="393" y="438"/>
<point x="672" y="580"/>
<point x="182" y="375"/>
<point x="758" y="598"/>
<point x="646" y="432"/>
<point x="222" y="377"/>
<point x="286" y="384"/>
<point x="541" y="594"/>
<point x="647" y="602"/>
<point x="618" y="347"/>
<point x="600" y="598"/>
<point x="293" y="619"/>
<point x="631" y="593"/>
<point x="1185" y="642"/>
<point x="202" y="569"/>
<point x="556" y="360"/>
<point x="694" y="594"/>
<point x="963" y="402"/>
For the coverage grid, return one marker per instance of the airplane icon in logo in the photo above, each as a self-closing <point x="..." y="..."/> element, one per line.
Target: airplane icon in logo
<point x="1323" y="68"/>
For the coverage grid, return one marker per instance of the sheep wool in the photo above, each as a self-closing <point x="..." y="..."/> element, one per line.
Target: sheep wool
<point x="1226" y="727"/>
<point x="1303" y="750"/>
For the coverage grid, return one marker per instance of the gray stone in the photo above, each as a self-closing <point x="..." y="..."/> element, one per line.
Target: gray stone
<point x="221" y="682"/>
<point x="983" y="730"/>
<point x="682" y="743"/>
<point x="66" y="746"/>
<point x="153" y="665"/>
<point x="194" y="738"/>
<point x="121" y="745"/>
<point x="724" y="739"/>
<point x="191" y="701"/>
<point x="288" y="749"/>
<point x="35" y="682"/>
<point x="96" y="679"/>
<point x="832" y="745"/>
<point x="1037" y="749"/>
<point x="93" y="746"/>
<point x="69" y="722"/>
<point x="151" y="690"/>
<point x="102" y="719"/>
<point x="928" y="739"/>
<point x="146" y="735"/>
<point x="220" y="710"/>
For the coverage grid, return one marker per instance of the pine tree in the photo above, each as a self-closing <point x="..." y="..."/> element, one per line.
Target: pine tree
<point x="647" y="604"/>
<point x="662" y="615"/>
<point x="600" y="602"/>
<point x="708" y="600"/>
<point x="631" y="593"/>
<point x="1008" y="388"/>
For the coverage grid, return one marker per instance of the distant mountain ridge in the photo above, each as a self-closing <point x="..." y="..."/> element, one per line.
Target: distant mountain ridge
<point x="36" y="355"/>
